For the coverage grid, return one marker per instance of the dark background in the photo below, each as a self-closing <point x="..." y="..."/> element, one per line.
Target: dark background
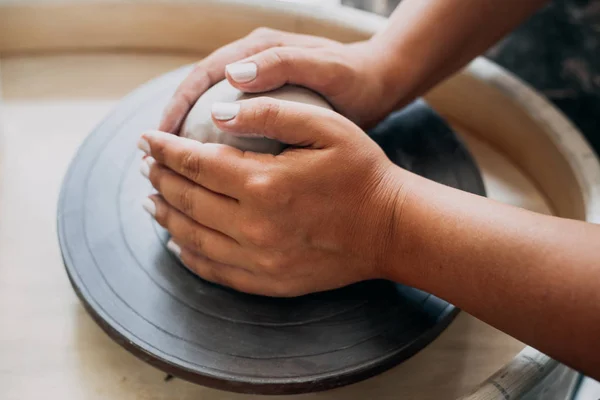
<point x="557" y="51"/>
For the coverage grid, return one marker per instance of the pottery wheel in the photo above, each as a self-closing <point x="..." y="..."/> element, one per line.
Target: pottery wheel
<point x="140" y="294"/>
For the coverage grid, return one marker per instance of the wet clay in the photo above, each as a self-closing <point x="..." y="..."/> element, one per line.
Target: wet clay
<point x="198" y="124"/>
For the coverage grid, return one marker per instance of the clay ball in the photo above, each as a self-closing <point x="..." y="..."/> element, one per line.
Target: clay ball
<point x="198" y="124"/>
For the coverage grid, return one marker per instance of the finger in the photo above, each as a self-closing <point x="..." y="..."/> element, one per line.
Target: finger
<point x="193" y="260"/>
<point x="211" y="270"/>
<point x="218" y="167"/>
<point x="199" y="238"/>
<point x="206" y="207"/>
<point x="210" y="70"/>
<point x="227" y="275"/>
<point x="296" y="124"/>
<point x="204" y="74"/>
<point x="320" y="69"/>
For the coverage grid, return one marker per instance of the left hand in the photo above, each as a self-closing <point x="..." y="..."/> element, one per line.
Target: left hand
<point x="356" y="79"/>
<point x="316" y="217"/>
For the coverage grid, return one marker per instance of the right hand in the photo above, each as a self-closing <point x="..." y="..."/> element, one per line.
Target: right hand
<point x="321" y="216"/>
<point x="350" y="76"/>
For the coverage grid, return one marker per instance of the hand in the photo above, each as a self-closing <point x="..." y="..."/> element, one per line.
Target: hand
<point x="318" y="216"/>
<point x="350" y="76"/>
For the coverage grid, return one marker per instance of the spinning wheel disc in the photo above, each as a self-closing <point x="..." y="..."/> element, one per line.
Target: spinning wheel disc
<point x="140" y="294"/>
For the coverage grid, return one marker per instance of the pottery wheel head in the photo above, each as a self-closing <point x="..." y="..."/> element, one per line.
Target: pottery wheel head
<point x="140" y="294"/>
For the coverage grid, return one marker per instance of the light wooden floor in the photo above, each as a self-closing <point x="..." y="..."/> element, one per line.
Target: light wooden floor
<point x="50" y="348"/>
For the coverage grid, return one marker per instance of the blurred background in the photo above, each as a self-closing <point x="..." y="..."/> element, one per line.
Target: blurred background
<point x="557" y="51"/>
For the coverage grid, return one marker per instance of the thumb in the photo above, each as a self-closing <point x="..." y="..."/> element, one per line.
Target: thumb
<point x="319" y="69"/>
<point x="293" y="123"/>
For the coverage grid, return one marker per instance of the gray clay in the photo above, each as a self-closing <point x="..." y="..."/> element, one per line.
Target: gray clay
<point x="198" y="124"/>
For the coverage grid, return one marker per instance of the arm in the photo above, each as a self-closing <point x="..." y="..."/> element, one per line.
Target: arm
<point x="535" y="277"/>
<point x="326" y="203"/>
<point x="432" y="39"/>
<point x="532" y="276"/>
<point x="424" y="42"/>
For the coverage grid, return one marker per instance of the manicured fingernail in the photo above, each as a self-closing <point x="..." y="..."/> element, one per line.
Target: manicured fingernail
<point x="225" y="111"/>
<point x="174" y="247"/>
<point x="153" y="135"/>
<point x="149" y="206"/>
<point x="144" y="146"/>
<point x="147" y="163"/>
<point x="242" y="72"/>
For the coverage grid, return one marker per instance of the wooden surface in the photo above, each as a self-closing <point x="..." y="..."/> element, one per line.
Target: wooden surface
<point x="48" y="343"/>
<point x="173" y="25"/>
<point x="50" y="347"/>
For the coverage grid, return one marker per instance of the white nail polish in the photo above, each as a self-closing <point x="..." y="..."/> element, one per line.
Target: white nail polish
<point x="149" y="206"/>
<point x="145" y="169"/>
<point x="144" y="146"/>
<point x="242" y="72"/>
<point x="174" y="248"/>
<point x="150" y="161"/>
<point x="225" y="111"/>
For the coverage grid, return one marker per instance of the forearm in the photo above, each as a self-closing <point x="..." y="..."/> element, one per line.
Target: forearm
<point x="428" y="40"/>
<point x="535" y="277"/>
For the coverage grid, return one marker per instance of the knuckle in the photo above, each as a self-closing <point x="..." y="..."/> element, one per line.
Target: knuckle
<point x="338" y="76"/>
<point x="263" y="32"/>
<point x="261" y="234"/>
<point x="260" y="187"/>
<point x="190" y="165"/>
<point x="186" y="201"/>
<point x="268" y="263"/>
<point x="197" y="239"/>
<point x="278" y="57"/>
<point x="252" y="233"/>
<point x="268" y="114"/>
<point x="270" y="190"/>
<point x="273" y="263"/>
<point x="188" y="91"/>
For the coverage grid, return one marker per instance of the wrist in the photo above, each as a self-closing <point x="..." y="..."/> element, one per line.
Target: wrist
<point x="395" y="246"/>
<point x="411" y="247"/>
<point x="399" y="74"/>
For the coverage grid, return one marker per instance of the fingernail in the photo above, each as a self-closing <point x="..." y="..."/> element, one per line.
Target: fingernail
<point x="242" y="72"/>
<point x="145" y="166"/>
<point x="143" y="145"/>
<point x="149" y="206"/>
<point x="174" y="247"/>
<point x="153" y="135"/>
<point x="225" y="111"/>
<point x="145" y="169"/>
